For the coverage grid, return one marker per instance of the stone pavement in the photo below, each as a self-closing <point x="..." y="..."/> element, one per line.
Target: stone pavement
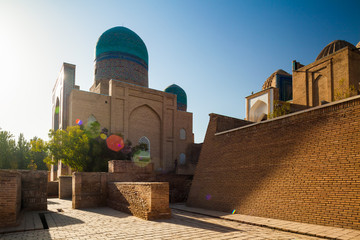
<point x="106" y="223"/>
<point x="288" y="226"/>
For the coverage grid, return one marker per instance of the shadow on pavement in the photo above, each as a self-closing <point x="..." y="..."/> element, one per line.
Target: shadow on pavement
<point x="192" y="220"/>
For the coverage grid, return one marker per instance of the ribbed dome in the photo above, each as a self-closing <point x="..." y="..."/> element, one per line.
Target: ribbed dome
<point x="181" y="96"/>
<point x="358" y="45"/>
<point x="121" y="40"/>
<point x="269" y="81"/>
<point x="333" y="47"/>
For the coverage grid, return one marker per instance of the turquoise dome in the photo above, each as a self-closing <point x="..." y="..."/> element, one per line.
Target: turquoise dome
<point x="121" y="40"/>
<point x="181" y="96"/>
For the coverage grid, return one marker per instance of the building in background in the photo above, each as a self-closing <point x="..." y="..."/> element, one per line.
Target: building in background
<point x="121" y="102"/>
<point x="335" y="74"/>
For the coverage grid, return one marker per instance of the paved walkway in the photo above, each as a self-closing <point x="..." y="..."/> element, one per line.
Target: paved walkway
<point x="106" y="223"/>
<point x="294" y="227"/>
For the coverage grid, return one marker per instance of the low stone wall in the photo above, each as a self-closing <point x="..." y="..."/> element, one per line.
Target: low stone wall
<point x="33" y="189"/>
<point x="89" y="189"/>
<point x="10" y="197"/>
<point x="146" y="200"/>
<point x="124" y="166"/>
<point x="53" y="189"/>
<point x="65" y="187"/>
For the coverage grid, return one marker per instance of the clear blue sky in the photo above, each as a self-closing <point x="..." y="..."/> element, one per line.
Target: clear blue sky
<point x="217" y="51"/>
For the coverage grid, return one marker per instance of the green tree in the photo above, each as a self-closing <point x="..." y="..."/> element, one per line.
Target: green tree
<point x="7" y="151"/>
<point x="22" y="152"/>
<point x="71" y="146"/>
<point x="38" y="154"/>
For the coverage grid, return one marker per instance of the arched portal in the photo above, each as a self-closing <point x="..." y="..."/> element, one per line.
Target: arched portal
<point x="258" y="111"/>
<point x="144" y="121"/>
<point x="319" y="90"/>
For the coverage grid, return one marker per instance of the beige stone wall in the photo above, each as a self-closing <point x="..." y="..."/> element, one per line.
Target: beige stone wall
<point x="10" y="197"/>
<point x="84" y="104"/>
<point x="354" y="69"/>
<point x="145" y="200"/>
<point x="135" y="112"/>
<point x="321" y="79"/>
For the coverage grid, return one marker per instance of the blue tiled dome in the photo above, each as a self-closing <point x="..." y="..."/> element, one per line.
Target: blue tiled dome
<point x="121" y="40"/>
<point x="181" y="96"/>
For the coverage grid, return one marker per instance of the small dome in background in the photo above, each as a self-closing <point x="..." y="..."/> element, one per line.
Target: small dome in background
<point x="270" y="80"/>
<point x="333" y="47"/>
<point x="123" y="40"/>
<point x="358" y="45"/>
<point x="181" y="96"/>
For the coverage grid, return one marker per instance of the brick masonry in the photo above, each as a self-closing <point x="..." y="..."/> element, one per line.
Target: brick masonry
<point x="53" y="189"/>
<point x="65" y="187"/>
<point x="303" y="167"/>
<point x="10" y="197"/>
<point x="33" y="189"/>
<point x="145" y="200"/>
<point x="179" y="186"/>
<point x="120" y="166"/>
<point x="90" y="189"/>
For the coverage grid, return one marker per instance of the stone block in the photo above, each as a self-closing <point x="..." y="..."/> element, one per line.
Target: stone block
<point x="146" y="200"/>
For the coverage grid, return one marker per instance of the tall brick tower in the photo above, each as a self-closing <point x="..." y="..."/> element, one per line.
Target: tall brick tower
<point x="120" y="54"/>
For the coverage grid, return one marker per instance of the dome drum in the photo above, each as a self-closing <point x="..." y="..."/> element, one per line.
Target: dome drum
<point x="121" y="69"/>
<point x="120" y="55"/>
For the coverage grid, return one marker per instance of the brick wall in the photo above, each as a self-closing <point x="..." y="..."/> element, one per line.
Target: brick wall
<point x="33" y="189"/>
<point x="89" y="189"/>
<point x="65" y="187"/>
<point x="142" y="199"/>
<point x="53" y="189"/>
<point x="302" y="167"/>
<point x="179" y="186"/>
<point x="10" y="197"/>
<point x="122" y="166"/>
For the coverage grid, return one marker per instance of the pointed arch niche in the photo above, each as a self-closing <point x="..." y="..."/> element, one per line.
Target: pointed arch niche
<point x="144" y="121"/>
<point x="258" y="111"/>
<point x="145" y="140"/>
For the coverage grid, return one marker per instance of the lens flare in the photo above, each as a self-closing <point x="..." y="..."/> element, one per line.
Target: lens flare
<point x="115" y="143"/>
<point x="233" y="212"/>
<point x="103" y="136"/>
<point x="141" y="158"/>
<point x="208" y="197"/>
<point x="78" y="122"/>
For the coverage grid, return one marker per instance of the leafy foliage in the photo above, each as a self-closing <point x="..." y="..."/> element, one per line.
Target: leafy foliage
<point x="80" y="147"/>
<point x="343" y="92"/>
<point x="280" y="109"/>
<point x="18" y="155"/>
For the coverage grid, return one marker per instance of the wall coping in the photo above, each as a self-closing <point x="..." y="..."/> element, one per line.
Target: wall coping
<point x="140" y="183"/>
<point x="292" y="114"/>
